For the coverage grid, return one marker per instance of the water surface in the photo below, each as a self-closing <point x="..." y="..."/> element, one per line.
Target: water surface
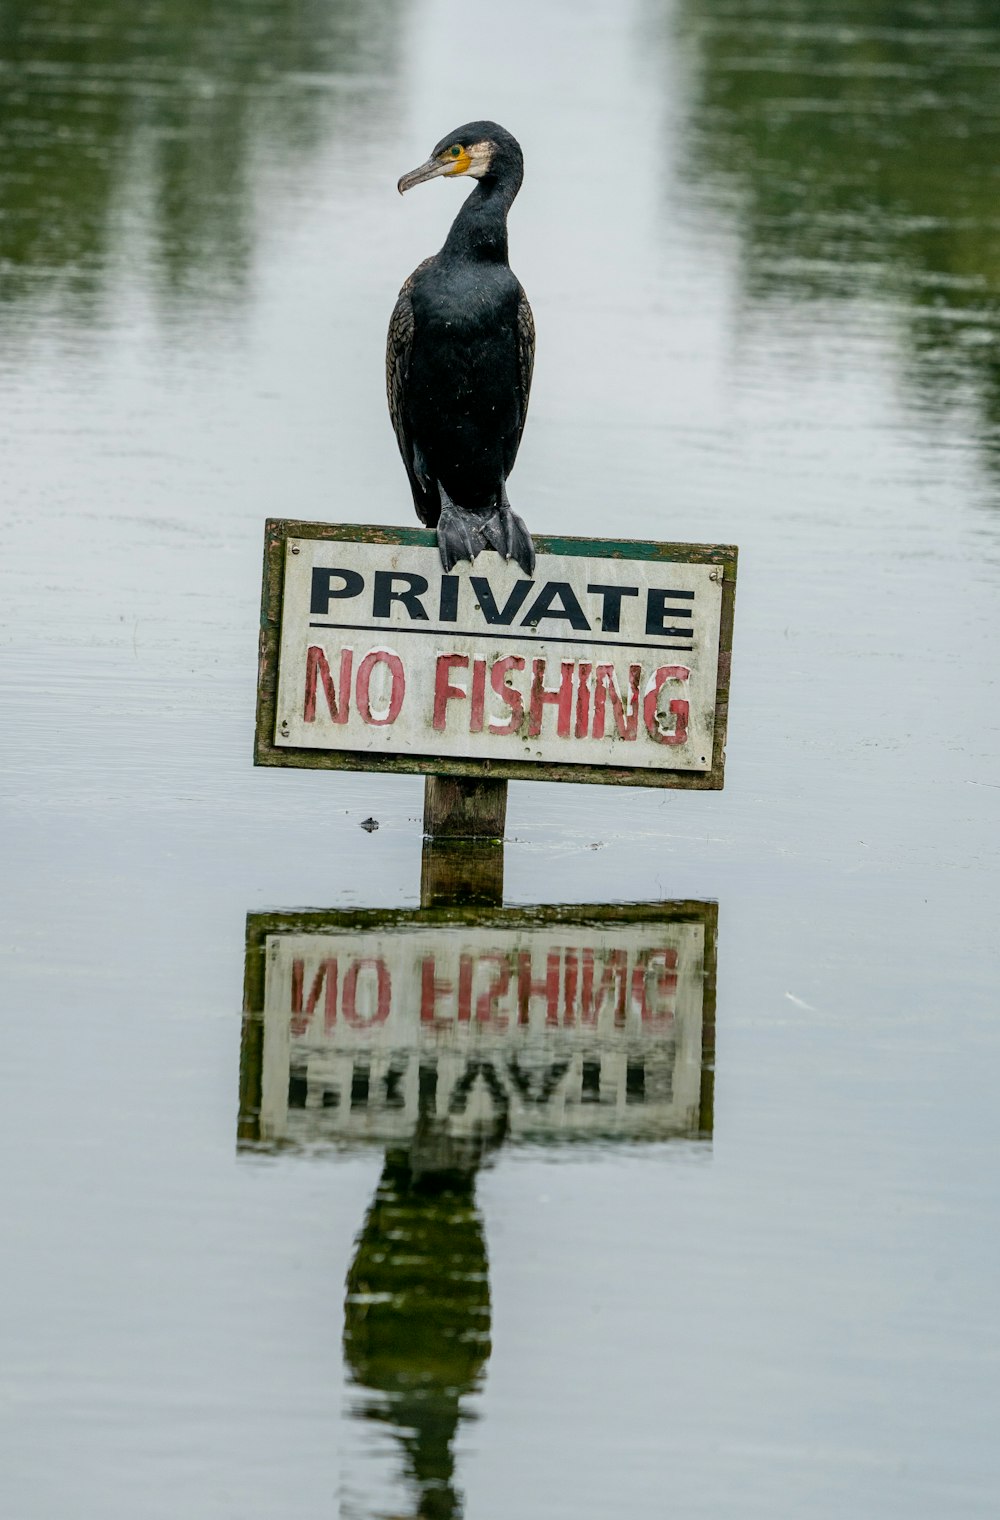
<point x="761" y="240"/>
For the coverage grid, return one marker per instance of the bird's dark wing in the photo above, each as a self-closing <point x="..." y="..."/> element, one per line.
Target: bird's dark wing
<point x="525" y="365"/>
<point x="399" y="345"/>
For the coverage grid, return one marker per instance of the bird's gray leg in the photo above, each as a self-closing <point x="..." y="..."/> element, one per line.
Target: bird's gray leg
<point x="515" y="536"/>
<point x="454" y="539"/>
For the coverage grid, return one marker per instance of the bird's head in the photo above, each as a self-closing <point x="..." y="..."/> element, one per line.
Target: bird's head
<point x="480" y="150"/>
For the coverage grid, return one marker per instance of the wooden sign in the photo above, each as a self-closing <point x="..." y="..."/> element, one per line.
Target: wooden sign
<point x="610" y="664"/>
<point x="563" y="1022"/>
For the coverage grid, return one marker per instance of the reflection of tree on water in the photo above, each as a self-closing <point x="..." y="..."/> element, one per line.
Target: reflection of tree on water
<point x="417" y="1311"/>
<point x="858" y="141"/>
<point x="160" y="112"/>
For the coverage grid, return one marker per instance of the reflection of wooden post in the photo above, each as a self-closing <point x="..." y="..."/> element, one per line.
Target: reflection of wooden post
<point x="464" y="819"/>
<point x="456" y="873"/>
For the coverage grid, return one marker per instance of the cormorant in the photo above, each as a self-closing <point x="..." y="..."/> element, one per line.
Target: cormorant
<point x="459" y="358"/>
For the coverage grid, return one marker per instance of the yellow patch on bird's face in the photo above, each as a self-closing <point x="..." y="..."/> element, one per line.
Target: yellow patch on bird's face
<point x="459" y="162"/>
<point x="474" y="161"/>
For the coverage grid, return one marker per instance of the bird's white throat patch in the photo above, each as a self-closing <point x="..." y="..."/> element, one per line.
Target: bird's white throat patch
<point x="480" y="158"/>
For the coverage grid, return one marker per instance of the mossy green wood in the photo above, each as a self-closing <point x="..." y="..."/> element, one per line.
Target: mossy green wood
<point x="266" y="752"/>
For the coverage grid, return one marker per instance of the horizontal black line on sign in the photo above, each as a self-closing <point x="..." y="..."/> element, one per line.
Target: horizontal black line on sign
<point x="516" y="638"/>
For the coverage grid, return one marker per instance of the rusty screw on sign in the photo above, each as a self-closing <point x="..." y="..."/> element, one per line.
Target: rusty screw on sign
<point x="284" y="727"/>
<point x="295" y="548"/>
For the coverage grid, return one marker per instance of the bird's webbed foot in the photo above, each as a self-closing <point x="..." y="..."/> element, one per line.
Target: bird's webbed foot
<point x="505" y="532"/>
<point x="522" y="549"/>
<point x="462" y="535"/>
<point x="455" y="540"/>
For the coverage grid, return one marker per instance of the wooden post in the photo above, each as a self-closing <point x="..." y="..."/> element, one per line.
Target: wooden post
<point x="462" y="861"/>
<point x="464" y="807"/>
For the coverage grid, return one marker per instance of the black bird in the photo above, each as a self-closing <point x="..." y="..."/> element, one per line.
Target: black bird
<point x="459" y="358"/>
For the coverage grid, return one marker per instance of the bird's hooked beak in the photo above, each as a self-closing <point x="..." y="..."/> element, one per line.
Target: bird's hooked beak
<point x="474" y="160"/>
<point x="432" y="168"/>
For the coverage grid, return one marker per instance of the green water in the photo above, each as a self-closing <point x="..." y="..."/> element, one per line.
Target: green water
<point x="857" y="148"/>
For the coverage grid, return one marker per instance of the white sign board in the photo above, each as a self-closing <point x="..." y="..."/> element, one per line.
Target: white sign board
<point x="573" y="1028"/>
<point x="600" y="660"/>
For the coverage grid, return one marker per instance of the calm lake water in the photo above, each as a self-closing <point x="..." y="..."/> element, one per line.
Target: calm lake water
<point x="762" y="243"/>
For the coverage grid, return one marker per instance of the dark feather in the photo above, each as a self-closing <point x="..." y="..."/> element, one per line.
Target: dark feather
<point x="525" y="366"/>
<point x="397" y="360"/>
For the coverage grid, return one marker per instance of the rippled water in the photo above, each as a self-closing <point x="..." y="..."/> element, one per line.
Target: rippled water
<point x="762" y="242"/>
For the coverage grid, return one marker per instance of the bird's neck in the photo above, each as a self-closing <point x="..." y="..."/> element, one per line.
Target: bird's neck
<point x="479" y="231"/>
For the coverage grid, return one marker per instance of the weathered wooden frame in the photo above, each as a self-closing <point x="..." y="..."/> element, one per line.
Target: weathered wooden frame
<point x="266" y="752"/>
<point x="320" y="921"/>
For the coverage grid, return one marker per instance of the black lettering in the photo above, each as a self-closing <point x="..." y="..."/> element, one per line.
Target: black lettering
<point x="298" y="1086"/>
<point x="459" y="1100"/>
<point x="427" y="1088"/>
<point x="448" y="608"/>
<point x="569" y="608"/>
<point x="393" y="1077"/>
<point x="414" y="587"/>
<point x="323" y="590"/>
<point x="491" y="612"/>
<point x="360" y="1082"/>
<point x="590" y="1090"/>
<point x="552" y="1075"/>
<point x="657" y="613"/>
<point x="611" y="611"/>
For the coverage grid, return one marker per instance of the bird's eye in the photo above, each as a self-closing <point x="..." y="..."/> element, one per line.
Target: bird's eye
<point x="455" y="151"/>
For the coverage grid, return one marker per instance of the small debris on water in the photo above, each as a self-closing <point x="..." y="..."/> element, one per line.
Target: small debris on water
<point x="370" y="824"/>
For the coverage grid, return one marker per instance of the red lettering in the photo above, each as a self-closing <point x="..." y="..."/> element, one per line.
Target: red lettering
<point x="327" y="973"/>
<point x="663" y="986"/>
<point x="678" y="706"/>
<point x="546" y="987"/>
<point x="397" y="691"/>
<point x="465" y="965"/>
<point x="317" y="666"/>
<point x="562" y="697"/>
<point x="583" y="701"/>
<point x="478" y="696"/>
<point x="569" y="988"/>
<point x="498" y="680"/>
<point x="615" y="969"/>
<point x="383" y="983"/>
<point x="486" y="1002"/>
<point x="431" y="989"/>
<point x="444" y="692"/>
<point x="605" y="687"/>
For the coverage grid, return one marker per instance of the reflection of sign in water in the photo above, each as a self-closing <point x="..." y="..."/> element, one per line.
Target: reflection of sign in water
<point x="611" y="662"/>
<point x="565" y="1022"/>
